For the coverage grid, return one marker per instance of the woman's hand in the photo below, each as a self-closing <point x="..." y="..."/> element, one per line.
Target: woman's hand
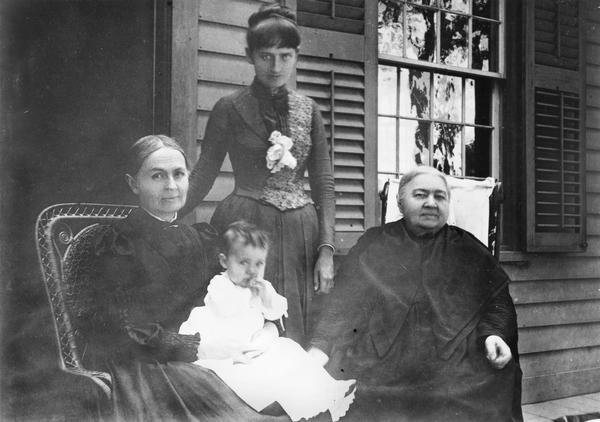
<point x="323" y="273"/>
<point x="497" y="352"/>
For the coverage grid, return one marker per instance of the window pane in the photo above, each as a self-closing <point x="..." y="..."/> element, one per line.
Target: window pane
<point x="388" y="87"/>
<point x="414" y="93"/>
<point x="386" y="145"/>
<point x="420" y="33"/>
<point x="414" y="144"/>
<point x="447" y="97"/>
<point x="453" y="44"/>
<point x="447" y="148"/>
<point x="470" y="102"/>
<point x="485" y="8"/>
<point x="484" y="45"/>
<point x="458" y="5"/>
<point x="478" y="94"/>
<point x="477" y="152"/>
<point x="425" y="2"/>
<point x="390" y="27"/>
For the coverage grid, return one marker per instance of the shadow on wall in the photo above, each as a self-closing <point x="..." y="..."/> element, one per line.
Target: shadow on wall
<point x="77" y="82"/>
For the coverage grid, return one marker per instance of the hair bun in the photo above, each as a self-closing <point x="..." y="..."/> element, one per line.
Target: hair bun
<point x="271" y="11"/>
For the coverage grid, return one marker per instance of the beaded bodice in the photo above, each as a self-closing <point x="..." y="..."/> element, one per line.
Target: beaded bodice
<point x="285" y="188"/>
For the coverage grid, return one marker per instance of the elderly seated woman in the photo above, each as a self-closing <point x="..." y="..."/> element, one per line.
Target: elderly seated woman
<point x="145" y="274"/>
<point x="422" y="317"/>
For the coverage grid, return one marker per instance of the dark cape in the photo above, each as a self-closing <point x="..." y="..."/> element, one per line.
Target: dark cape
<point x="408" y="318"/>
<point x="143" y="276"/>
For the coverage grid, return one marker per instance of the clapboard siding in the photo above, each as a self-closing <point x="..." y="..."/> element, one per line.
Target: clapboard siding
<point x="331" y="63"/>
<point x="222" y="69"/>
<point x="558" y="313"/>
<point x="562" y="384"/>
<point x="225" y="68"/>
<point x="553" y="267"/>
<point x="540" y="291"/>
<point x="558" y="337"/>
<point x="536" y="364"/>
<point x="557" y="296"/>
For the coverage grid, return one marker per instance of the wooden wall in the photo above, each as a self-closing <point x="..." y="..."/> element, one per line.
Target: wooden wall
<point x="558" y="295"/>
<point x="331" y="69"/>
<point x="222" y="68"/>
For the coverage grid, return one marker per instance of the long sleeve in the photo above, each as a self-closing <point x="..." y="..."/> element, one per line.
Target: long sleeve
<point x="126" y="327"/>
<point x="224" y="299"/>
<point x="215" y="146"/>
<point x="321" y="179"/>
<point x="277" y="305"/>
<point x="499" y="319"/>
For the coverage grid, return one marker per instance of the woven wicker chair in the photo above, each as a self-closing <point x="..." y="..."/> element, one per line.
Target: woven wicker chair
<point x="64" y="234"/>
<point x="492" y="188"/>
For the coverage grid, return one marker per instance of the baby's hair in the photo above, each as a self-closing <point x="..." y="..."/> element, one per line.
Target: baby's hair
<point x="246" y="233"/>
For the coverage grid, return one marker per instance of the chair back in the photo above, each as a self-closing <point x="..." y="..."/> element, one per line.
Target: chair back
<point x="64" y="234"/>
<point x="474" y="206"/>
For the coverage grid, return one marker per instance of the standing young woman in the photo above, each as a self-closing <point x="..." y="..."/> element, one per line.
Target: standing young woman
<point x="272" y="135"/>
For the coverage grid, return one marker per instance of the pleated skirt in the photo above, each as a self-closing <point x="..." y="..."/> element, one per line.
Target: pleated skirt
<point x="292" y="255"/>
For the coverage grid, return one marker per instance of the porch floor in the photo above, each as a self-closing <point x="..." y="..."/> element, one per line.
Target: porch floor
<point x="550" y="410"/>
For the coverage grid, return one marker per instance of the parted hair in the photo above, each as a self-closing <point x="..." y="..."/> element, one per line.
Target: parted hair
<point x="410" y="175"/>
<point x="272" y="26"/>
<point x="143" y="147"/>
<point x="245" y="233"/>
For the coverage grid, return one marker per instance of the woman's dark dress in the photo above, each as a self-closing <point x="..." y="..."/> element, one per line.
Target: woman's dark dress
<point x="240" y="125"/>
<point x="408" y="318"/>
<point x="144" y="278"/>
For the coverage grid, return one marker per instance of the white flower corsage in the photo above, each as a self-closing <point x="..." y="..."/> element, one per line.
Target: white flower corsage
<point x="279" y="155"/>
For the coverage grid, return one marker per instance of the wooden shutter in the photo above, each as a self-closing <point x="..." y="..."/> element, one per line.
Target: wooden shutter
<point x="554" y="127"/>
<point x="337" y="15"/>
<point x="332" y="70"/>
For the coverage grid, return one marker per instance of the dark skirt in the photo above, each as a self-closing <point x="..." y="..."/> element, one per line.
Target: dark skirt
<point x="294" y="239"/>
<point x="412" y="383"/>
<point x="176" y="391"/>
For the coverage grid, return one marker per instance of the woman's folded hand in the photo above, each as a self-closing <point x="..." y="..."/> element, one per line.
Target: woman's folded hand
<point x="497" y="352"/>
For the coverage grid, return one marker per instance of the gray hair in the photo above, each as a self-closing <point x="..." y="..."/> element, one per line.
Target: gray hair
<point x="417" y="171"/>
<point x="143" y="147"/>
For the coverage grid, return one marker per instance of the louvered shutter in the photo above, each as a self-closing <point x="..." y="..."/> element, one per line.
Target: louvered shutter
<point x="554" y="127"/>
<point x="337" y="15"/>
<point x="331" y="70"/>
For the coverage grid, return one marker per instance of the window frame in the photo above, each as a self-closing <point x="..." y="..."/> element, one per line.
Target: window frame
<point x="496" y="79"/>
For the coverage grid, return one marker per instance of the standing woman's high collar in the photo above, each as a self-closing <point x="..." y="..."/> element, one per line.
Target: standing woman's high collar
<point x="273" y="106"/>
<point x="263" y="93"/>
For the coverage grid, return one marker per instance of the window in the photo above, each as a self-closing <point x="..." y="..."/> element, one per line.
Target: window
<point x="457" y="33"/>
<point x="433" y="118"/>
<point x="437" y="96"/>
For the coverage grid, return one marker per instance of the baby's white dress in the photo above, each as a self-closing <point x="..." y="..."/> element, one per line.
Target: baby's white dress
<point x="285" y="373"/>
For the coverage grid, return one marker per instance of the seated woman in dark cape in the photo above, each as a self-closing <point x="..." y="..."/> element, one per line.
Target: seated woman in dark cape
<point x="144" y="275"/>
<point x="422" y="317"/>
